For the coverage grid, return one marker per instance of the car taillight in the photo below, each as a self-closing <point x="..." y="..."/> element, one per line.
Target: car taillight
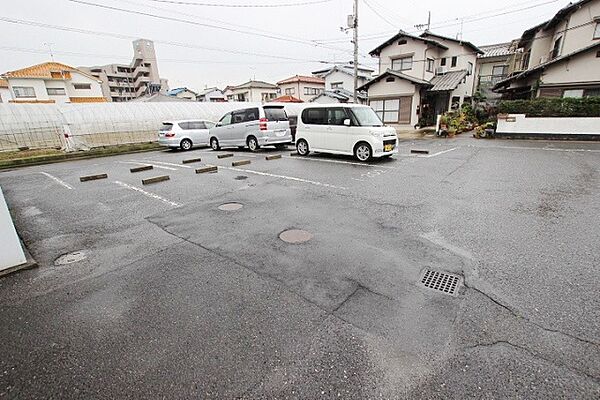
<point x="263" y="124"/>
<point x="169" y="134"/>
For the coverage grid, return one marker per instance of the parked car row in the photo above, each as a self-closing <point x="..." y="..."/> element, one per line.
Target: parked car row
<point x="350" y="129"/>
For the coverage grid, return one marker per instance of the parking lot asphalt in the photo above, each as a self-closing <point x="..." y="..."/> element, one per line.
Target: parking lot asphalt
<point x="175" y="298"/>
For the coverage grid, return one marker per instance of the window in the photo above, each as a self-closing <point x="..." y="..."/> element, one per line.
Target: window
<point x="336" y="116"/>
<point x="365" y="116"/>
<point x="226" y="120"/>
<point x="55" y="91"/>
<point x="82" y="86"/>
<point x="388" y="110"/>
<point x="250" y="114"/>
<point x="470" y="68"/>
<point x="443" y="62"/>
<point x="311" y="91"/>
<point x="556" y="49"/>
<point x="24" y="92"/>
<point x="454" y="61"/>
<point x="401" y="42"/>
<point x="402" y="64"/>
<point x="267" y="96"/>
<point x="315" y="116"/>
<point x="430" y="64"/>
<point x="290" y="91"/>
<point x="573" y="93"/>
<point x="390" y="79"/>
<point x="337" y="85"/>
<point x="275" y="114"/>
<point x="597" y="31"/>
<point x="500" y="70"/>
<point x="525" y="62"/>
<point x="166" y="127"/>
<point x="592" y="92"/>
<point x="192" y="125"/>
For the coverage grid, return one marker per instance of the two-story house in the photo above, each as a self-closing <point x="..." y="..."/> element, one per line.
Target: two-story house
<point x="304" y="88"/>
<point x="52" y="82"/>
<point x="252" y="91"/>
<point x="559" y="57"/>
<point x="339" y="83"/>
<point x="421" y="77"/>
<point x="183" y="93"/>
<point x="494" y="65"/>
<point x="212" y="95"/>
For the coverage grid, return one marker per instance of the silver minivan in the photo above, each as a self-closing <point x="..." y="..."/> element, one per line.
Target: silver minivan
<point x="253" y="127"/>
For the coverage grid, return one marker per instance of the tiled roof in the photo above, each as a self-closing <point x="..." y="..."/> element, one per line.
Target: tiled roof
<point x="376" y="51"/>
<point x="44" y="71"/>
<point x="497" y="50"/>
<point x="476" y="49"/>
<point x="255" y="84"/>
<point x="525" y="74"/>
<point x="286" y="99"/>
<point x="340" y="94"/>
<point x="396" y="74"/>
<point x="3" y="83"/>
<point x="448" y="81"/>
<point x="304" y="79"/>
<point x="175" y="92"/>
<point x="348" y="66"/>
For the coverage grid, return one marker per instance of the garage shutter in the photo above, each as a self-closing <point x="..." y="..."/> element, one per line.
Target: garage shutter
<point x="405" y="110"/>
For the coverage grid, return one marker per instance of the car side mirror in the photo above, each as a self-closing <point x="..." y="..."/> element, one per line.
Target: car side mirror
<point x="347" y="122"/>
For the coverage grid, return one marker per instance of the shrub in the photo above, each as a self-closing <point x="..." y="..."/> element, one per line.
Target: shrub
<point x="554" y="107"/>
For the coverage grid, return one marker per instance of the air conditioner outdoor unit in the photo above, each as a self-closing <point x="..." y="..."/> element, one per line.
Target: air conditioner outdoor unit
<point x="441" y="71"/>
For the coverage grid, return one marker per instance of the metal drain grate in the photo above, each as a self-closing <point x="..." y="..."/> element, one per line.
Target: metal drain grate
<point x="441" y="282"/>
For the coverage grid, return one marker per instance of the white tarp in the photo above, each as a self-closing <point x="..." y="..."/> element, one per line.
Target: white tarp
<point x="11" y="253"/>
<point x="82" y="126"/>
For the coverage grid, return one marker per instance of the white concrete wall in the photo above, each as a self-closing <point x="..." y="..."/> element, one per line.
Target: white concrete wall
<point x="62" y="98"/>
<point x="520" y="124"/>
<point x="583" y="68"/>
<point x="346" y="80"/>
<point x="5" y="95"/>
<point x="298" y="89"/>
<point x="37" y="84"/>
<point x="94" y="91"/>
<point x="11" y="253"/>
<point x="577" y="38"/>
<point x="398" y="88"/>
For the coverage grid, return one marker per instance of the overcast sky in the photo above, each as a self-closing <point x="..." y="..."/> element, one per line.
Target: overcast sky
<point x="208" y="56"/>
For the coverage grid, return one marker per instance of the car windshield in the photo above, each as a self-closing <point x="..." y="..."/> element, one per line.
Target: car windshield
<point x="275" y="114"/>
<point x="365" y="116"/>
<point x="166" y="127"/>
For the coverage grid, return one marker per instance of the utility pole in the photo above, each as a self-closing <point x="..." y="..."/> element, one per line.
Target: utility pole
<point x="427" y="26"/>
<point x="355" y="26"/>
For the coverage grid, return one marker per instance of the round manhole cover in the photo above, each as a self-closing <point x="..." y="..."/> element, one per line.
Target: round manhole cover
<point x="295" y="236"/>
<point x="231" y="207"/>
<point x="70" y="258"/>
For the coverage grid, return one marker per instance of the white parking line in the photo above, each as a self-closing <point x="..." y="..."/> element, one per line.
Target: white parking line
<point x="437" y="154"/>
<point x="540" y="148"/>
<point x="148" y="194"/>
<point x="57" y="180"/>
<point x="154" y="165"/>
<point x="339" y="162"/>
<point x="165" y="163"/>
<point x="289" y="178"/>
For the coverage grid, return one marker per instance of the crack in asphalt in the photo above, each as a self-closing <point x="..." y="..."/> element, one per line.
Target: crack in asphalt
<point x="533" y="354"/>
<point x="529" y="321"/>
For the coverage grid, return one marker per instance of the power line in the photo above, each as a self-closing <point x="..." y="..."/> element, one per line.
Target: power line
<point x="378" y="14"/>
<point x="195" y="23"/>
<point x="169" y="43"/>
<point x="191" y="3"/>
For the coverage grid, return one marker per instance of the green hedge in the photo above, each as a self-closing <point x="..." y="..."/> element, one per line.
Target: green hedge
<point x="555" y="107"/>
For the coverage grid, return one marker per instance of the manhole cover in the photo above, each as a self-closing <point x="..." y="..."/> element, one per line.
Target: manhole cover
<point x="231" y="207"/>
<point x="295" y="236"/>
<point x="70" y="258"/>
<point x="241" y="177"/>
<point x="442" y="282"/>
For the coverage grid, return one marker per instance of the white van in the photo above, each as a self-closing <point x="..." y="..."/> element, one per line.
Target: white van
<point x="254" y="127"/>
<point x="351" y="129"/>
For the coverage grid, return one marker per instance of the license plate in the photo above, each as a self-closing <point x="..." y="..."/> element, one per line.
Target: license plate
<point x="388" y="147"/>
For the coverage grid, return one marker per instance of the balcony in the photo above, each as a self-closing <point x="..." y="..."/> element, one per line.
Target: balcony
<point x="489" y="81"/>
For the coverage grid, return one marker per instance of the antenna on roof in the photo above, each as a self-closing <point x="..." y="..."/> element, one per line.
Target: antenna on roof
<point x="50" y="50"/>
<point x="427" y="26"/>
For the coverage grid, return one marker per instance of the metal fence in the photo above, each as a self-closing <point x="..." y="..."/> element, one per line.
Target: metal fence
<point x="84" y="126"/>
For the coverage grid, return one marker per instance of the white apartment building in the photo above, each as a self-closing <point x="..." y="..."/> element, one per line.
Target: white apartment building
<point x="121" y="82"/>
<point x="50" y="82"/>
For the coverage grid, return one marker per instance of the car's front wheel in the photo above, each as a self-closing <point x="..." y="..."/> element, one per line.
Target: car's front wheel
<point x="214" y="144"/>
<point x="186" y="144"/>
<point x="363" y="152"/>
<point x="253" y="144"/>
<point x="302" y="147"/>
